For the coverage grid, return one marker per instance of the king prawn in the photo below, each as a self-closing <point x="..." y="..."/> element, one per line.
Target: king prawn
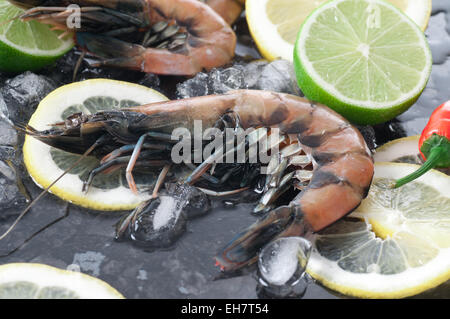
<point x="295" y="201"/>
<point x="170" y="37"/>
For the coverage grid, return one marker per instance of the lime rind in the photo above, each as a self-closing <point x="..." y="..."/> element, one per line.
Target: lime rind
<point x="275" y="40"/>
<point x="39" y="40"/>
<point x="28" y="45"/>
<point x="361" y="110"/>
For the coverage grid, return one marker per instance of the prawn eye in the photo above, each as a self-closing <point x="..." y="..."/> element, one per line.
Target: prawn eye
<point x="75" y="120"/>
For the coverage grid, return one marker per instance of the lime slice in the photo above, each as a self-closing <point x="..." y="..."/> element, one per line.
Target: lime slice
<point x="363" y="58"/>
<point x="395" y="244"/>
<point x="37" y="281"/>
<point x="274" y="24"/>
<point x="27" y="45"/>
<point x="45" y="163"/>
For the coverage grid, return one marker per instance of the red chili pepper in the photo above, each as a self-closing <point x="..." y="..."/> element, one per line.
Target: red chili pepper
<point x="434" y="144"/>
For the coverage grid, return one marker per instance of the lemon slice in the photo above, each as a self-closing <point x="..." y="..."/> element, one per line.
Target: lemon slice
<point x="38" y="281"/>
<point x="45" y="163"/>
<point x="403" y="150"/>
<point x="274" y="24"/>
<point x="395" y="244"/>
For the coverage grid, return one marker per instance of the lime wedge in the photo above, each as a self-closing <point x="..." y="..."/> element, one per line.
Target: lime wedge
<point x="27" y="45"/>
<point x="364" y="58"/>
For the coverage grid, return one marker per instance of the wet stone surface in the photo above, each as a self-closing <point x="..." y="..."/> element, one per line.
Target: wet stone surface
<point x="62" y="235"/>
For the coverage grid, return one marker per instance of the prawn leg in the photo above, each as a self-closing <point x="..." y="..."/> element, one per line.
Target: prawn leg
<point x="132" y="162"/>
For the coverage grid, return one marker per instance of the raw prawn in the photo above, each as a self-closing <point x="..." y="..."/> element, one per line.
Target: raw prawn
<point x="173" y="37"/>
<point x="343" y="166"/>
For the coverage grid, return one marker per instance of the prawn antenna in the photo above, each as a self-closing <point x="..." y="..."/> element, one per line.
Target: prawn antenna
<point x="2" y="23"/>
<point x="45" y="191"/>
<point x="78" y="65"/>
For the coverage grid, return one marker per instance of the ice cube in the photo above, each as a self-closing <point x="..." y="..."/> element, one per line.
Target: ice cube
<point x="224" y="80"/>
<point x="10" y="195"/>
<point x="8" y="153"/>
<point x="197" y="86"/>
<point x="8" y="133"/>
<point x="4" y="113"/>
<point x="24" y="92"/>
<point x="160" y="224"/>
<point x="161" y="221"/>
<point x="278" y="76"/>
<point x="282" y="265"/>
<point x="284" y="260"/>
<point x="253" y="72"/>
<point x="167" y="210"/>
<point x="194" y="202"/>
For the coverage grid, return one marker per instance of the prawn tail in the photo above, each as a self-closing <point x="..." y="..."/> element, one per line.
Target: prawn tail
<point x="243" y="250"/>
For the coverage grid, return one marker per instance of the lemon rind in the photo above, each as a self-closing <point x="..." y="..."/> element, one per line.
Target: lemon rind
<point x="405" y="146"/>
<point x="36" y="154"/>
<point x="410" y="282"/>
<point x="264" y="39"/>
<point x="381" y="286"/>
<point x="256" y="10"/>
<point x="42" y="275"/>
